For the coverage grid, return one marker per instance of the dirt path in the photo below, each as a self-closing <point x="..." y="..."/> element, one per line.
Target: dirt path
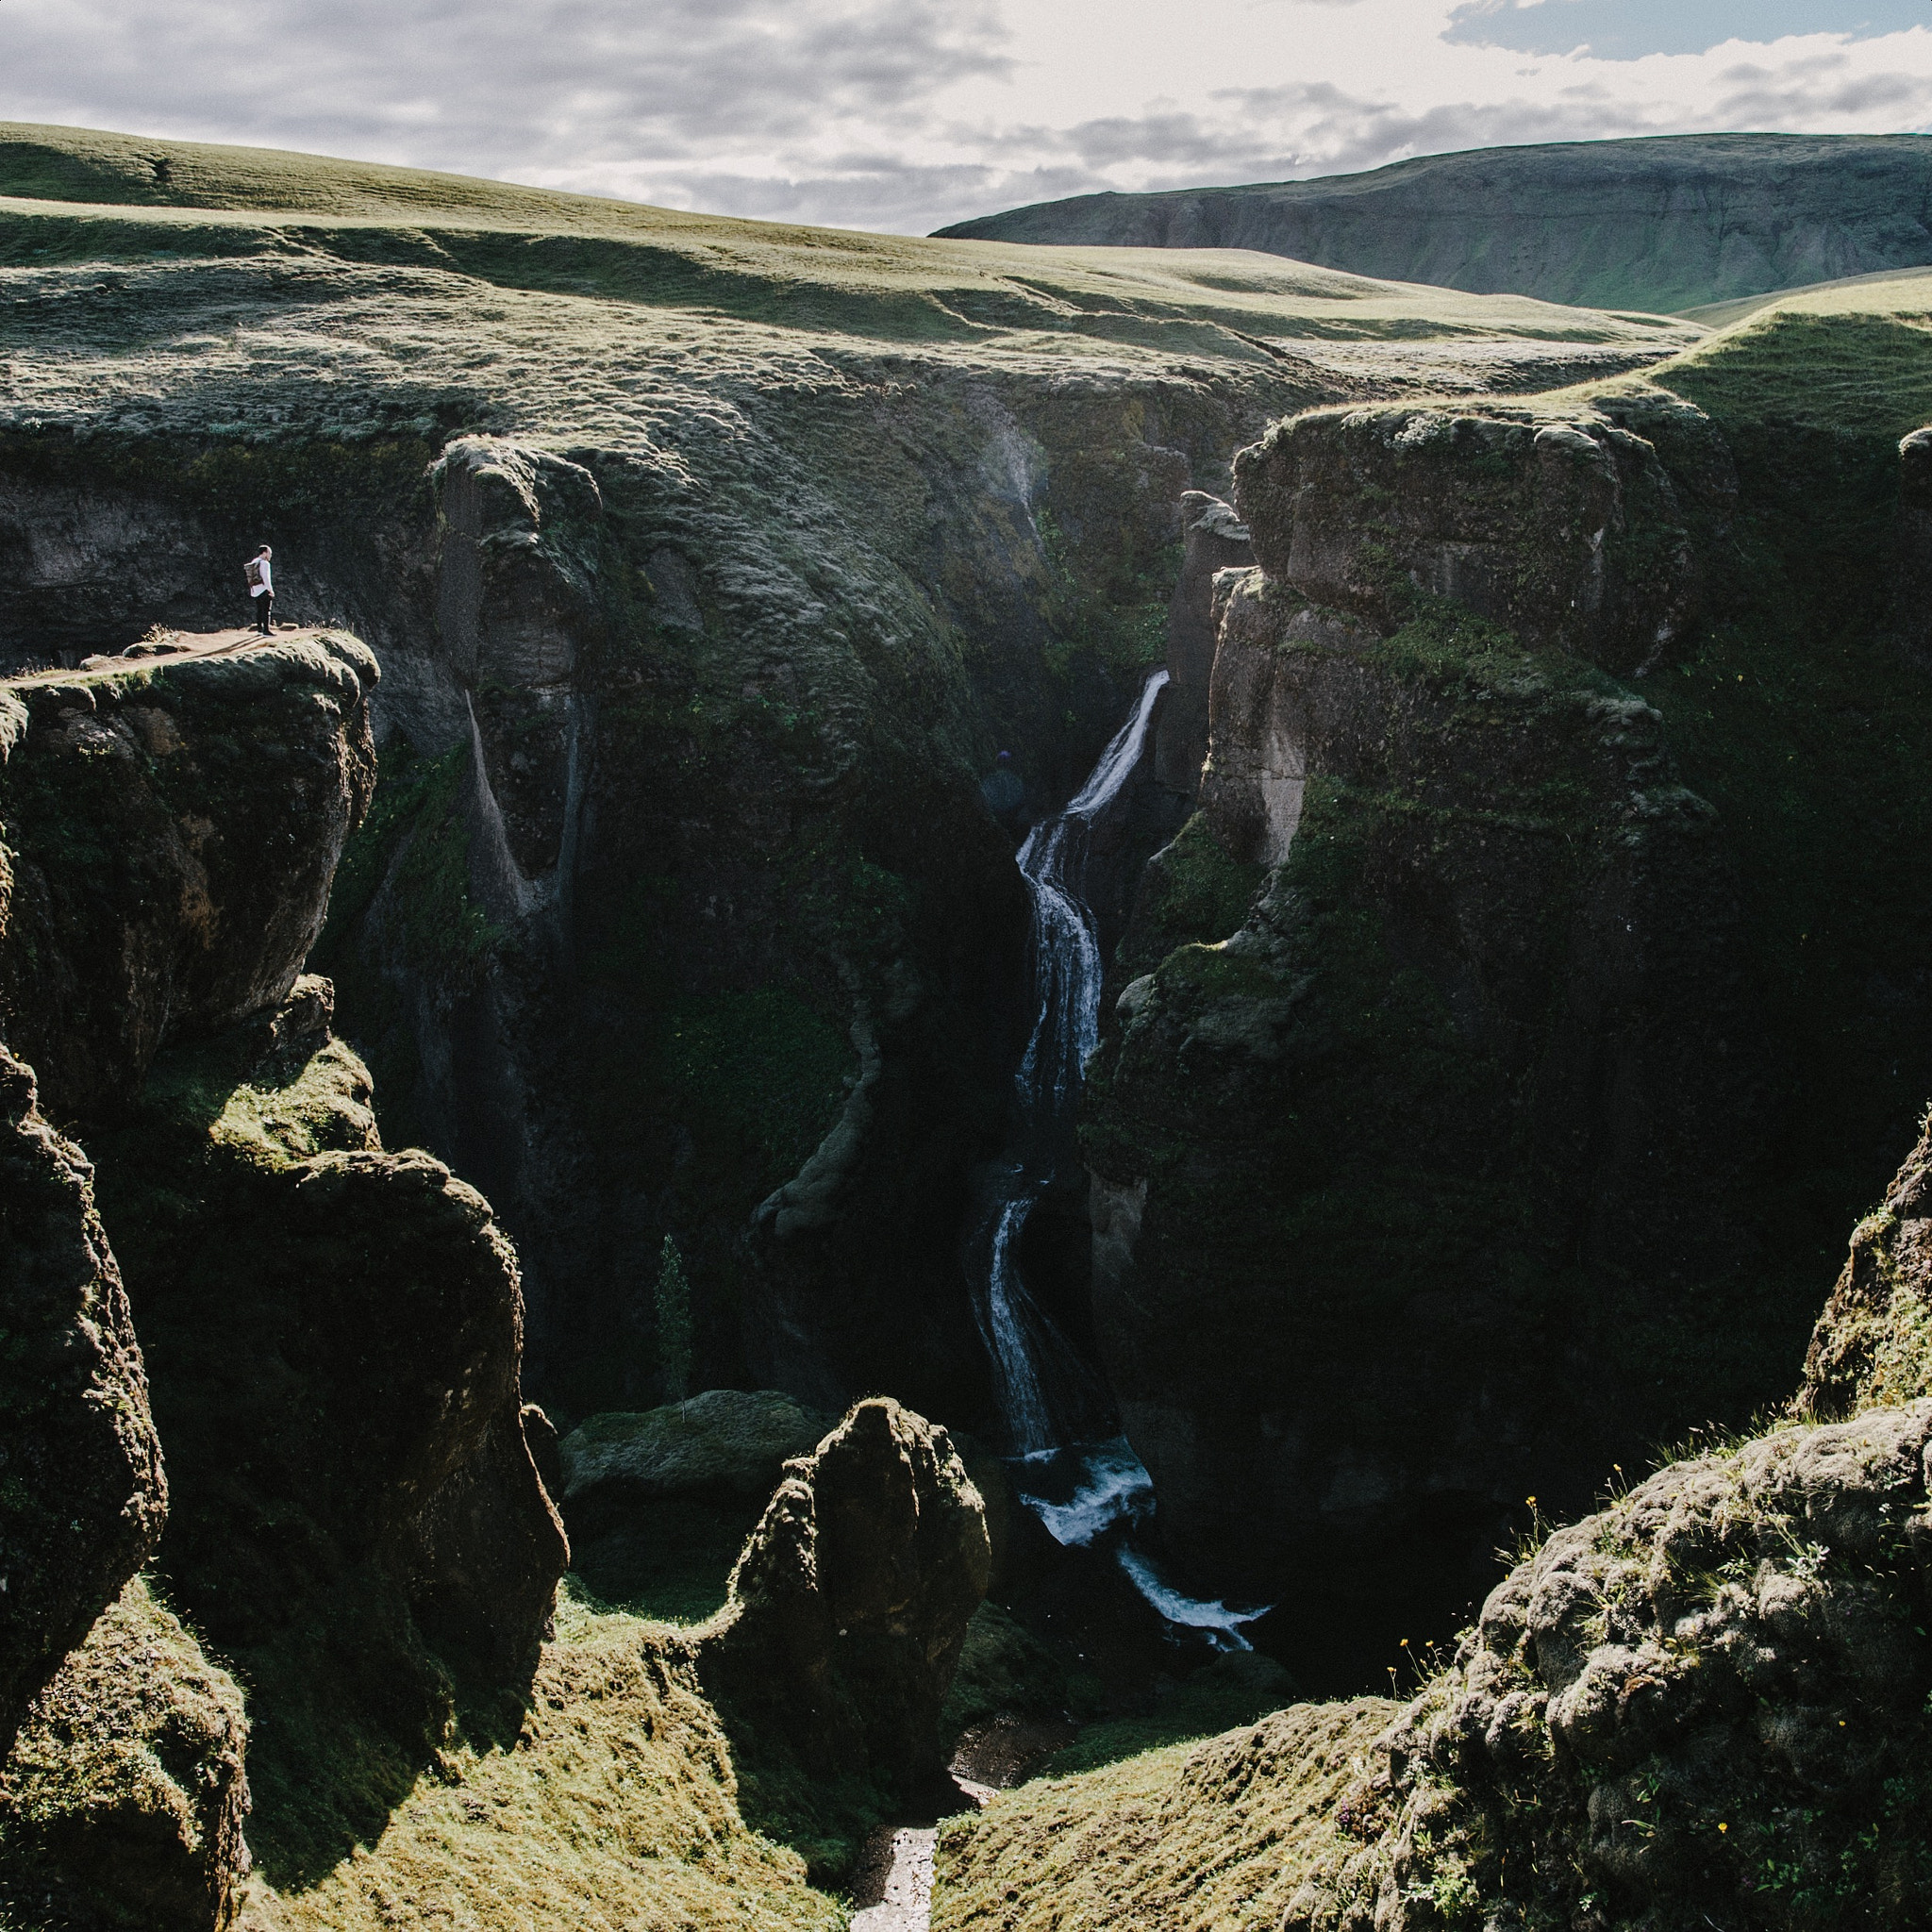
<point x="905" y="1886"/>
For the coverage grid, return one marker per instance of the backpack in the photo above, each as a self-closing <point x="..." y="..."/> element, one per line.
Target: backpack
<point x="254" y="572"/>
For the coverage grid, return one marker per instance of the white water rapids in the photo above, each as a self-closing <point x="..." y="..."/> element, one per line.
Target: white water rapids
<point x="1084" y="1491"/>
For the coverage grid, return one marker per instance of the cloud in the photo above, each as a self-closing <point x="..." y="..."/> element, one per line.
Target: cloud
<point x="906" y="114"/>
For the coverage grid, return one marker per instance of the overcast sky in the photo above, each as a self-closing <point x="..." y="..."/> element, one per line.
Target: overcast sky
<point x="905" y="114"/>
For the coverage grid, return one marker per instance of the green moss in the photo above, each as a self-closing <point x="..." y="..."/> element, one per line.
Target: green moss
<point x="1191" y="890"/>
<point x="1218" y="1834"/>
<point x="761" y="1069"/>
<point x="611" y="1793"/>
<point x="122" y="1803"/>
<point x="1107" y="605"/>
<point x="414" y="839"/>
<point x="1003" y="1669"/>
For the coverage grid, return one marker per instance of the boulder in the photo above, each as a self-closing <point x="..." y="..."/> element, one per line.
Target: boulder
<point x="725" y="1443"/>
<point x="849" y="1606"/>
<point x="123" y="1801"/>
<point x="164" y="885"/>
<point x="82" y="1492"/>
<point x="1705" y="1704"/>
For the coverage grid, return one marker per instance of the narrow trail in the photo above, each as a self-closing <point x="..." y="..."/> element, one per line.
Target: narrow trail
<point x="905" y="1888"/>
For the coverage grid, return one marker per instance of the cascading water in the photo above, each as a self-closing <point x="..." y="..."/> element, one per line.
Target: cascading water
<point x="1049" y="1399"/>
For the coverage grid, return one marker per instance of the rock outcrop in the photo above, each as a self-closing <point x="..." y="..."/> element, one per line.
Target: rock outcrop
<point x="848" y="1609"/>
<point x="123" y="1800"/>
<point x="723" y="1443"/>
<point x="1525" y="1008"/>
<point x="82" y="1492"/>
<point x="1570" y="534"/>
<point x="356" y="1316"/>
<point x="1705" y="1706"/>
<point x="1914" y="556"/>
<point x="1873" y="1341"/>
<point x="174" y="830"/>
<point x="659" y="1505"/>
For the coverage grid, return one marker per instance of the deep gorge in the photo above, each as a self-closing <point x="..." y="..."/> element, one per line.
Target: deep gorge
<point x="527" y="1078"/>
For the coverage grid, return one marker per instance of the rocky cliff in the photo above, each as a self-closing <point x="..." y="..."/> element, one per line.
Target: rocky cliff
<point x="1659" y="223"/>
<point x="322" y="1339"/>
<point x="1493" y="1125"/>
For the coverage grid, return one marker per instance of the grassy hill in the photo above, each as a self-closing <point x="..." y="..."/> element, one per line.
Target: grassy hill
<point x="75" y="196"/>
<point x="1665" y="223"/>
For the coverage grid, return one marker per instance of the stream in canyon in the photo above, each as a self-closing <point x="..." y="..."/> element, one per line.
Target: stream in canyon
<point x="1080" y="1478"/>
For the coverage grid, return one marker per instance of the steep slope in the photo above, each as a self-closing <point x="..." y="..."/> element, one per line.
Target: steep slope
<point x="1568" y="744"/>
<point x="1703" y="1704"/>
<point x="1661" y="223"/>
<point x="709" y="565"/>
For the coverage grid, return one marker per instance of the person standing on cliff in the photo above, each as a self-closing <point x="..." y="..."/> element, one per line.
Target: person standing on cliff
<point x="261" y="587"/>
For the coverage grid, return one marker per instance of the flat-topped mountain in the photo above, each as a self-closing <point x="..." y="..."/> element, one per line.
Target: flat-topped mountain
<point x="1663" y="224"/>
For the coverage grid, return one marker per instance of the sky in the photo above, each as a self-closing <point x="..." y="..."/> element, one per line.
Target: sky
<point x="902" y="115"/>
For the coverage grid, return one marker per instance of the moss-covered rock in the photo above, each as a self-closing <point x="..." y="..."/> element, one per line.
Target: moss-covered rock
<point x="355" y="1318"/>
<point x="82" y="1492"/>
<point x="122" y="1802"/>
<point x="725" y="1441"/>
<point x="1570" y="1012"/>
<point x="1570" y="534"/>
<point x="659" y="1505"/>
<point x="1367" y="1199"/>
<point x="173" y="830"/>
<point x="848" y="1610"/>
<point x="1873" y="1341"/>
<point x="1705" y="1706"/>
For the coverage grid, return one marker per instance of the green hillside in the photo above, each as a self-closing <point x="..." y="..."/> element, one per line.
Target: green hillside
<point x="1665" y="223"/>
<point x="75" y="195"/>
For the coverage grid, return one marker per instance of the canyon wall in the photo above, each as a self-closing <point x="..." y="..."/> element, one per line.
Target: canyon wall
<point x="1471" y="1117"/>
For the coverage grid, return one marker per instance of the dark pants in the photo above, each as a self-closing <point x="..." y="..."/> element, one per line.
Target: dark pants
<point x="264" y="611"/>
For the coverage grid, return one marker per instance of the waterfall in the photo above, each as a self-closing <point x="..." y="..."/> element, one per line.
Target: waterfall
<point x="1043" y="1387"/>
<point x="1084" y="1491"/>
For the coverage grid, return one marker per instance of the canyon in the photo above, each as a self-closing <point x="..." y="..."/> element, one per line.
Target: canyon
<point x="950" y="1003"/>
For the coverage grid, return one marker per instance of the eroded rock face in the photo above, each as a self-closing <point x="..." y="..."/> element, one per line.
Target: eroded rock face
<point x="1873" y="1341"/>
<point x="1214" y="539"/>
<point x="1570" y="533"/>
<point x="123" y="1800"/>
<point x="1394" y="1187"/>
<point x="1705" y="1706"/>
<point x="82" y="1492"/>
<point x="173" y="831"/>
<point x="850" y="1604"/>
<point x="354" y="1317"/>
